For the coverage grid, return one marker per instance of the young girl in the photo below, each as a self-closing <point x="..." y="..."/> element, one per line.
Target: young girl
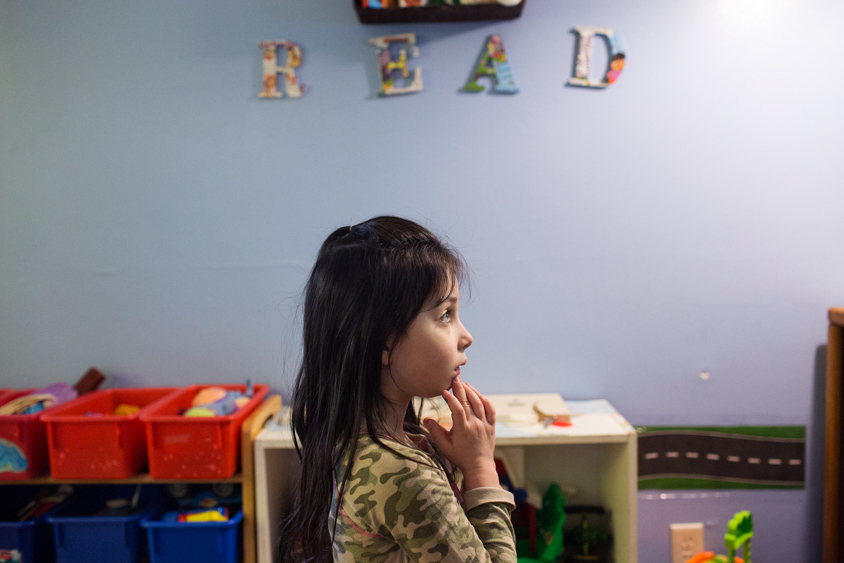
<point x="381" y="327"/>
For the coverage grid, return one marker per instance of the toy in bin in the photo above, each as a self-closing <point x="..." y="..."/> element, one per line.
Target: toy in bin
<point x="203" y="505"/>
<point x="39" y="400"/>
<point x="219" y="514"/>
<point x="195" y="447"/>
<point x="25" y="534"/>
<point x="102" y="523"/>
<point x="177" y="536"/>
<point x="98" y="436"/>
<point x="23" y="435"/>
<point x="216" y="401"/>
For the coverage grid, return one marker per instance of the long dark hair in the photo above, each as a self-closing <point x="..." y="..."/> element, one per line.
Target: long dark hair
<point x="368" y="284"/>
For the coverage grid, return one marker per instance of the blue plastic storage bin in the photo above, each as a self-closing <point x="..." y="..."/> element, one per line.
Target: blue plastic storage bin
<point x="205" y="542"/>
<point x="82" y="537"/>
<point x="32" y="538"/>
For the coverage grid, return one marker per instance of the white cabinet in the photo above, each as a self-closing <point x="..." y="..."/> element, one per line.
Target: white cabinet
<point x="596" y="455"/>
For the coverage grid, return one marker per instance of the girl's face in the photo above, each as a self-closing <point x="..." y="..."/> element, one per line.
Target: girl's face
<point x="429" y="355"/>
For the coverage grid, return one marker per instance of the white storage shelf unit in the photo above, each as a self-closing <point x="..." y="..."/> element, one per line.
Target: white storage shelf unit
<point x="596" y="455"/>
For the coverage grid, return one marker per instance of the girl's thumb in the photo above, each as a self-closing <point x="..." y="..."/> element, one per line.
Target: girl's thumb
<point x="436" y="431"/>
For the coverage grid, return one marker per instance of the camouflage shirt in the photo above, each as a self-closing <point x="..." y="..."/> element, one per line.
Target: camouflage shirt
<point x="396" y="510"/>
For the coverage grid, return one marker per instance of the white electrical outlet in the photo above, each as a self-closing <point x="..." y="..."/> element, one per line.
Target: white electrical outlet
<point x="686" y="541"/>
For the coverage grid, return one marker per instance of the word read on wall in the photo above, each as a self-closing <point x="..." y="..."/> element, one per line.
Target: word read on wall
<point x="394" y="53"/>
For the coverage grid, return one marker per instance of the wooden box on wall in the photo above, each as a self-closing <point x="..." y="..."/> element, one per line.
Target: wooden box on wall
<point x="833" y="503"/>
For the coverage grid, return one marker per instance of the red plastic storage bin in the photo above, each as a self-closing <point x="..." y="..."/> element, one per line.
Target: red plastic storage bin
<point x="23" y="443"/>
<point x="100" y="445"/>
<point x="182" y="447"/>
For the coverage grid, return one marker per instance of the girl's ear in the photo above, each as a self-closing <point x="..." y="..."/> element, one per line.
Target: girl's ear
<point x="385" y="357"/>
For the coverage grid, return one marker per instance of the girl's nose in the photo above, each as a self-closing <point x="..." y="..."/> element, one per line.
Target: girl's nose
<point x="465" y="339"/>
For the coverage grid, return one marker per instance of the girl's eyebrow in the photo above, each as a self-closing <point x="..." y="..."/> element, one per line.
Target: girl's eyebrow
<point x="451" y="301"/>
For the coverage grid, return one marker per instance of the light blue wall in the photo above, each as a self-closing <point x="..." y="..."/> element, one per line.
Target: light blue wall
<point x="157" y="219"/>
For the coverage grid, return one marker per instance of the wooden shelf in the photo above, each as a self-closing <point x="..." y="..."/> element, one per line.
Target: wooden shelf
<point x="597" y="454"/>
<point x="249" y="429"/>
<point x="429" y="14"/>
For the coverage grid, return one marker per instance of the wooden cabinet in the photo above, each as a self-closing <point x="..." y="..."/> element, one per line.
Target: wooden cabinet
<point x="597" y="456"/>
<point x="833" y="503"/>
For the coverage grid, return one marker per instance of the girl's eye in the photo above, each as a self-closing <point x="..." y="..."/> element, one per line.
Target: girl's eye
<point x="446" y="317"/>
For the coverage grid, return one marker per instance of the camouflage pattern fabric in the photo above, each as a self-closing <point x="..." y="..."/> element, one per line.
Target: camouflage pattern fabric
<point x="396" y="510"/>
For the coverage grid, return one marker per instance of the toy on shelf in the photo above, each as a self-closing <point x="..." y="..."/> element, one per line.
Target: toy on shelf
<point x="528" y="409"/>
<point x="739" y="533"/>
<point x="545" y="529"/>
<point x="588" y="541"/>
<point x="220" y="494"/>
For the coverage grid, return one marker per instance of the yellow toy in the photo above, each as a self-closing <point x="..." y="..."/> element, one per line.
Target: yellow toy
<point x="400" y="64"/>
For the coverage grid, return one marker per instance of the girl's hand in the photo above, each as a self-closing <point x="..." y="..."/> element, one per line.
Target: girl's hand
<point x="471" y="441"/>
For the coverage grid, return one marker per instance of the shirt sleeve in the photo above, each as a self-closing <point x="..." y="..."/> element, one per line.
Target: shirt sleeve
<point x="420" y="513"/>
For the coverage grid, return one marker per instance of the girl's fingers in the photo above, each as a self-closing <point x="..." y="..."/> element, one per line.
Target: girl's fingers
<point x="459" y="391"/>
<point x="458" y="413"/>
<point x="489" y="409"/>
<point x="439" y="435"/>
<point x="475" y="401"/>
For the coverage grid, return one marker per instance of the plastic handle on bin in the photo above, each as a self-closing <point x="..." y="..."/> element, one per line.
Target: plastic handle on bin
<point x="221" y="547"/>
<point x="52" y="438"/>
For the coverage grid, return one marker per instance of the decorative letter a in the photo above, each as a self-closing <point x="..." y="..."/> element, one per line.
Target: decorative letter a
<point x="493" y="63"/>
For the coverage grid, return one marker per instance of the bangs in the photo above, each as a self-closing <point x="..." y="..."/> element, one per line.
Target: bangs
<point x="448" y="271"/>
